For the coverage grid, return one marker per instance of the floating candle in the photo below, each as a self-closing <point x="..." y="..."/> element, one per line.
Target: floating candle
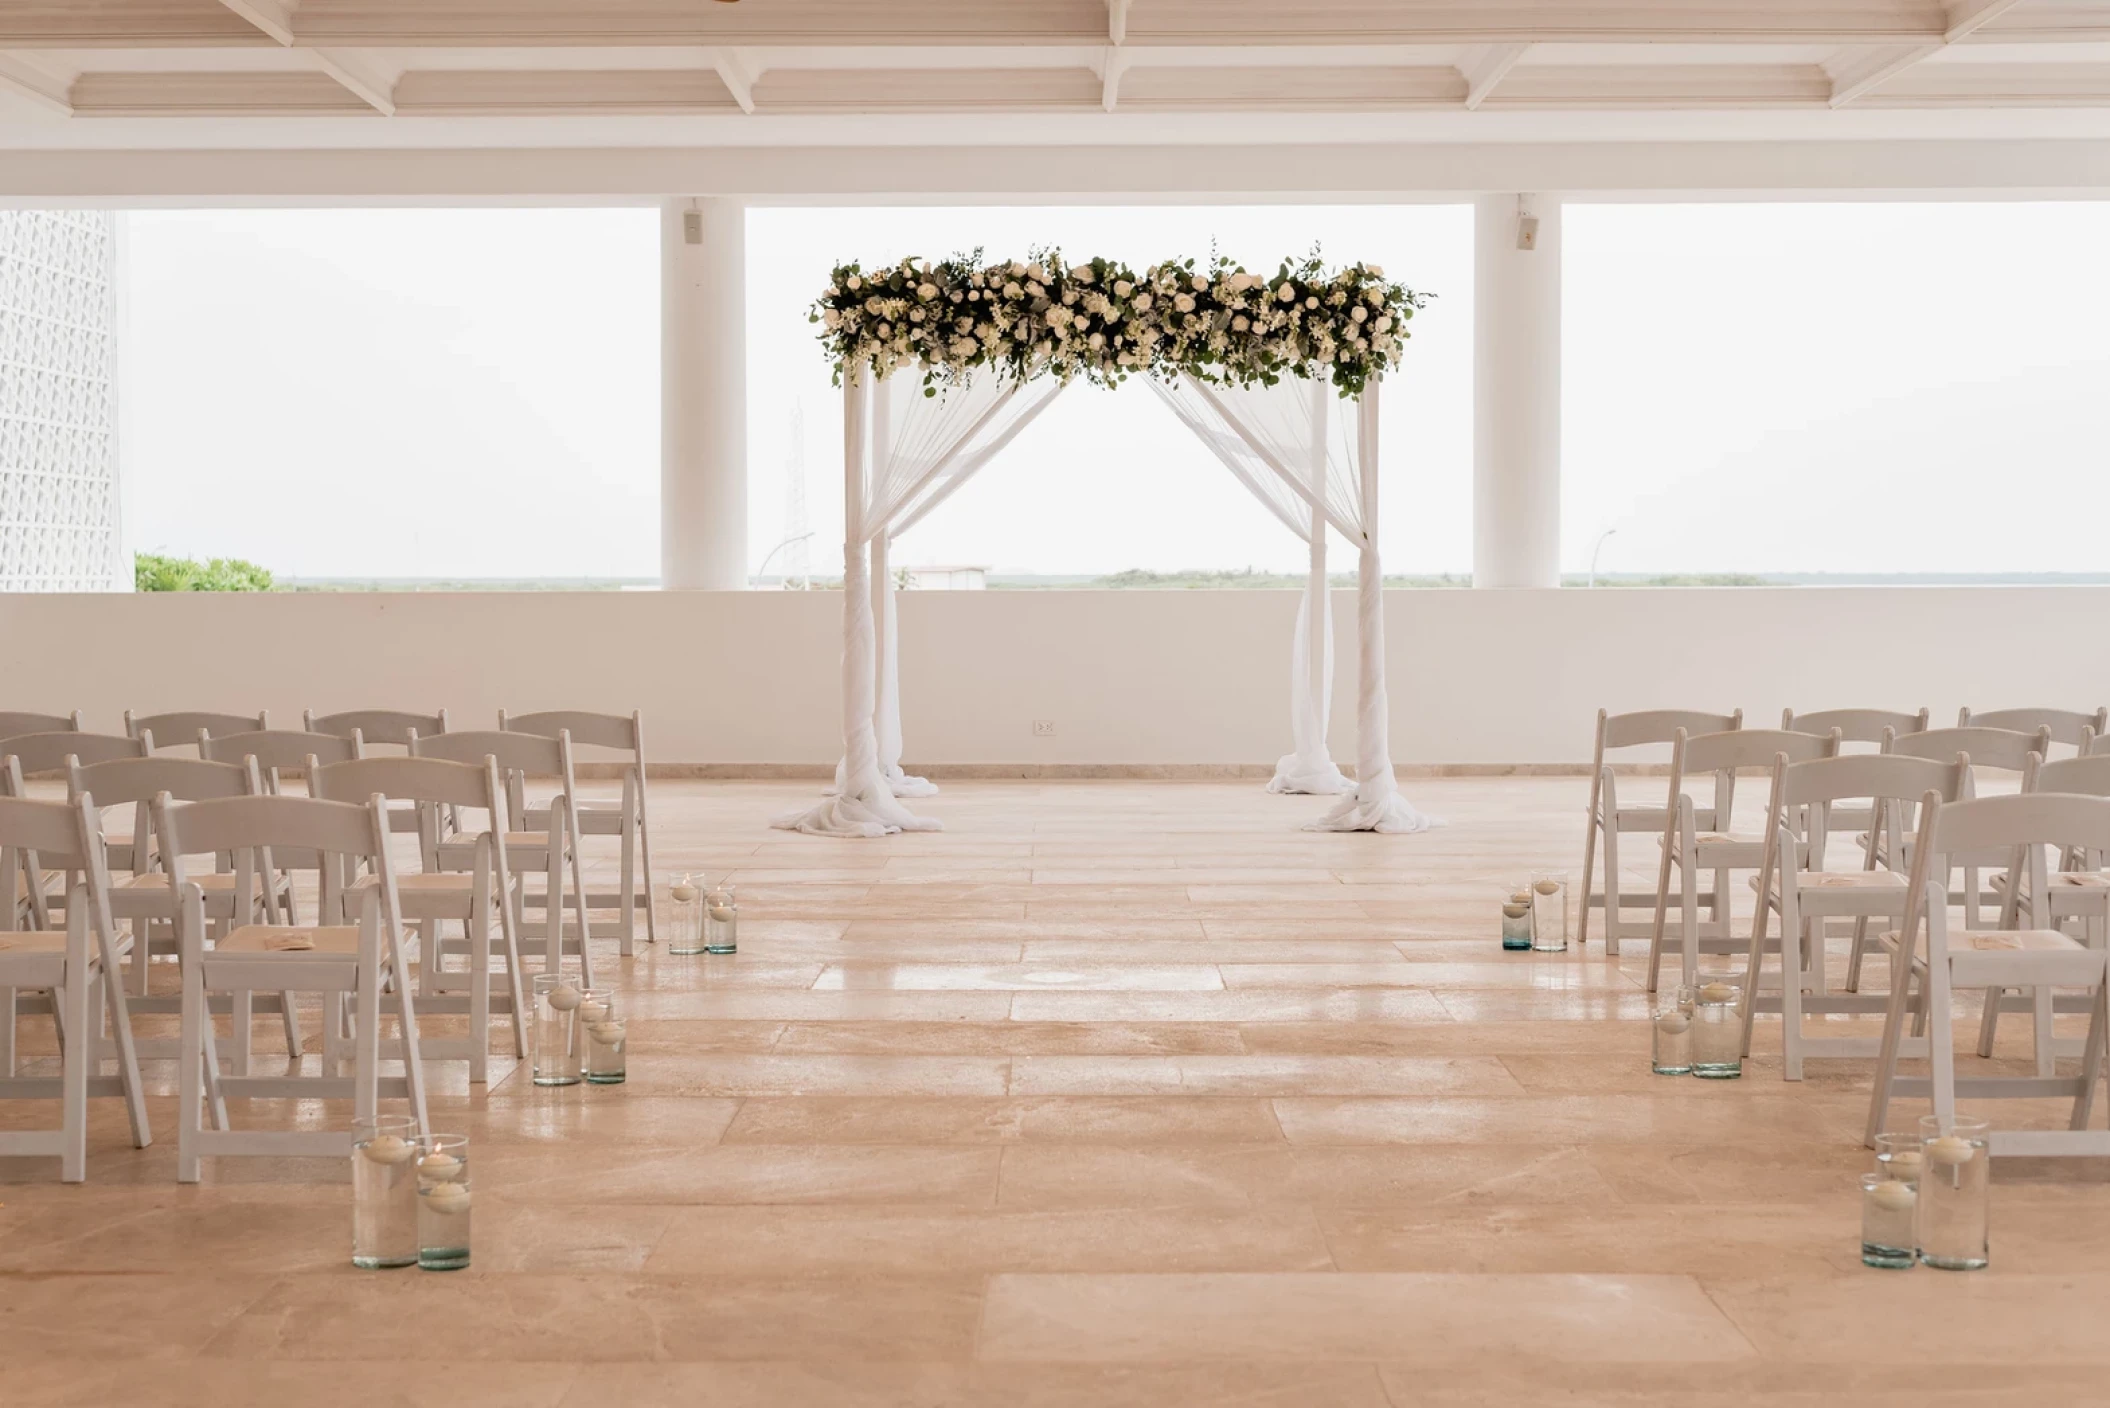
<point x="387" y="1149"/>
<point x="1905" y="1163"/>
<point x="1893" y="1195"/>
<point x="564" y="998"/>
<point x="593" y="1012"/>
<point x="1951" y="1149"/>
<point x="1515" y="910"/>
<point x="1718" y="992"/>
<point x="447" y="1198"/>
<point x="1547" y="887"/>
<point x="1673" y="1024"/>
<point x="439" y="1168"/>
<point x="683" y="893"/>
<point x="1521" y="897"/>
<point x="607" y="1033"/>
<point x="722" y="912"/>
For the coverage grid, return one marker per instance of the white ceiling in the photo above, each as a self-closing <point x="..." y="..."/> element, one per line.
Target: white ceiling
<point x="455" y="73"/>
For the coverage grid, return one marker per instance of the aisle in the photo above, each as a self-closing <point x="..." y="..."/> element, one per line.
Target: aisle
<point x="1113" y="1093"/>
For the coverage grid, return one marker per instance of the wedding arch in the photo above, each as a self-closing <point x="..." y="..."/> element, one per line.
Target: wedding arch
<point x="942" y="363"/>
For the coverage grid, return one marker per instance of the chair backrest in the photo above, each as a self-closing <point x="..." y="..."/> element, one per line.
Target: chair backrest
<point x="2062" y="820"/>
<point x="433" y="781"/>
<point x="2088" y="775"/>
<point x="36" y="836"/>
<point x="1746" y="749"/>
<point x="13" y="723"/>
<point x="1659" y="726"/>
<point x="528" y="754"/>
<point x="2005" y="748"/>
<point x="118" y="782"/>
<point x="391" y="726"/>
<point x="277" y="750"/>
<point x="1873" y="776"/>
<point x="180" y="728"/>
<point x="47" y="752"/>
<point x="626" y="732"/>
<point x="1855" y="725"/>
<point x="2067" y="726"/>
<point x="345" y="836"/>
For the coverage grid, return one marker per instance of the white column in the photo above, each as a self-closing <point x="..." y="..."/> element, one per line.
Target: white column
<point x="703" y="394"/>
<point x="1516" y="391"/>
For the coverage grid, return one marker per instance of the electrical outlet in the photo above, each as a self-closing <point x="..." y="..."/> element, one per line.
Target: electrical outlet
<point x="1043" y="728"/>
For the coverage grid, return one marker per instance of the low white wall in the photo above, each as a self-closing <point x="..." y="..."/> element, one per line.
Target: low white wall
<point x="1128" y="677"/>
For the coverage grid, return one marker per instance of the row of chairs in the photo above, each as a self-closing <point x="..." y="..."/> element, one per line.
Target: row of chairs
<point x="234" y="920"/>
<point x="42" y="742"/>
<point x="2034" y="897"/>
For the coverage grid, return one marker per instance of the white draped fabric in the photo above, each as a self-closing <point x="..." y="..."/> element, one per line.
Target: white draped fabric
<point x="904" y="453"/>
<point x="1313" y="461"/>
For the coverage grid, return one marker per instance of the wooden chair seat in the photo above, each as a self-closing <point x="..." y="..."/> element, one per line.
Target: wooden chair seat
<point x="281" y="941"/>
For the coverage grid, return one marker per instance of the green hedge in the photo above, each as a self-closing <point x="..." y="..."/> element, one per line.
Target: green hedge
<point x="151" y="572"/>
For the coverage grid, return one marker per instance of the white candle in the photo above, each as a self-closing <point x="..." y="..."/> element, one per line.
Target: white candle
<point x="439" y="1168"/>
<point x="593" y="1012"/>
<point x="387" y="1149"/>
<point x="1893" y="1195"/>
<point x="607" y="1033"/>
<point x="564" y="997"/>
<point x="1673" y="1024"/>
<point x="1718" y="992"/>
<point x="683" y="893"/>
<point x="447" y="1198"/>
<point x="1951" y="1149"/>
<point x="722" y="911"/>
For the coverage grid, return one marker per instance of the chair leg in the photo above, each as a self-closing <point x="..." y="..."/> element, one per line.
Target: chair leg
<point x="190" y="1072"/>
<point x="2091" y="1056"/>
<point x="1856" y="954"/>
<point x="1941" y="1043"/>
<point x="1791" y="975"/>
<point x="8" y="998"/>
<point x="2040" y="1008"/>
<point x="1689" y="916"/>
<point x="626" y="932"/>
<point x="1989" y="1020"/>
<point x="477" y="929"/>
<point x="644" y="851"/>
<point x="1582" y="922"/>
<point x="118" y="1017"/>
<point x="366" y="1043"/>
<point x="1613" y="918"/>
<point x="76" y="1060"/>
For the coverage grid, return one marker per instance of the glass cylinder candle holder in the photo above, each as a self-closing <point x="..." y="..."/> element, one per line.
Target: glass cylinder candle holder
<point x="556" y="1027"/>
<point x="1898" y="1156"/>
<point x="1549" y="913"/>
<point x="443" y="1202"/>
<point x="1954" y="1192"/>
<point x="1889" y="1215"/>
<point x="604" y="1031"/>
<point x="384" y="1192"/>
<point x="1516" y="918"/>
<point x="684" y="912"/>
<point x="1717" y="1031"/>
<point x="1673" y="1033"/>
<point x="721" y="921"/>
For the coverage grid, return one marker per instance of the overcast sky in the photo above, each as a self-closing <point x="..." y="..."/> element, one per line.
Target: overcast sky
<point x="1748" y="387"/>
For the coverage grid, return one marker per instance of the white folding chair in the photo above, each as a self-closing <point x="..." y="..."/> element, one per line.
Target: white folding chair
<point x="180" y="728"/>
<point x="628" y="817"/>
<point x="278" y="754"/>
<point x="355" y="954"/>
<point x="2013" y="955"/>
<point x="1691" y="849"/>
<point x="1807" y="893"/>
<point x="145" y="898"/>
<point x="386" y="728"/>
<point x="2077" y="894"/>
<point x="1997" y="756"/>
<point x="1608" y="821"/>
<point x="78" y="967"/>
<point x="51" y="753"/>
<point x="553" y="849"/>
<point x="430" y="899"/>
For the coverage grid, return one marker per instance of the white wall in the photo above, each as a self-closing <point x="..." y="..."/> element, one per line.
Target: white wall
<point x="1129" y="677"/>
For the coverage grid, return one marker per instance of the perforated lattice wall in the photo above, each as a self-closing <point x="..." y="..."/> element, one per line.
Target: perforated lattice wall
<point x="59" y="518"/>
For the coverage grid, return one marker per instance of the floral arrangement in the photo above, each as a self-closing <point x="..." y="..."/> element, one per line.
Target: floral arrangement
<point x="1103" y="321"/>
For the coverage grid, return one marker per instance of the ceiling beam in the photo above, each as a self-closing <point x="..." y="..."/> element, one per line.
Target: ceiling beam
<point x="25" y="80"/>
<point x="1857" y="73"/>
<point x="270" y="16"/>
<point x="1484" y="66"/>
<point x="370" y="88"/>
<point x="737" y="72"/>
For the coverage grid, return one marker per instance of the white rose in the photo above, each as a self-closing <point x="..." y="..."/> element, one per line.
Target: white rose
<point x="886" y="330"/>
<point x="1143" y="303"/>
<point x="1239" y="324"/>
<point x="1084" y="275"/>
<point x="1013" y="291"/>
<point x="1201" y="284"/>
<point x="1384" y="324"/>
<point x="854" y="283"/>
<point x="915" y="315"/>
<point x="1185" y="303"/>
<point x="1069" y="296"/>
<point x="1286" y="293"/>
<point x="1017" y="268"/>
<point x="1375" y="271"/>
<point x="1312" y="302"/>
<point x="1358" y="313"/>
<point x="1036" y="273"/>
<point x="1097" y="340"/>
<point x="926" y="290"/>
<point x="1123" y="288"/>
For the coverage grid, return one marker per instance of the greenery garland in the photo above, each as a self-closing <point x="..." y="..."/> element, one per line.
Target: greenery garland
<point x="1102" y="321"/>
